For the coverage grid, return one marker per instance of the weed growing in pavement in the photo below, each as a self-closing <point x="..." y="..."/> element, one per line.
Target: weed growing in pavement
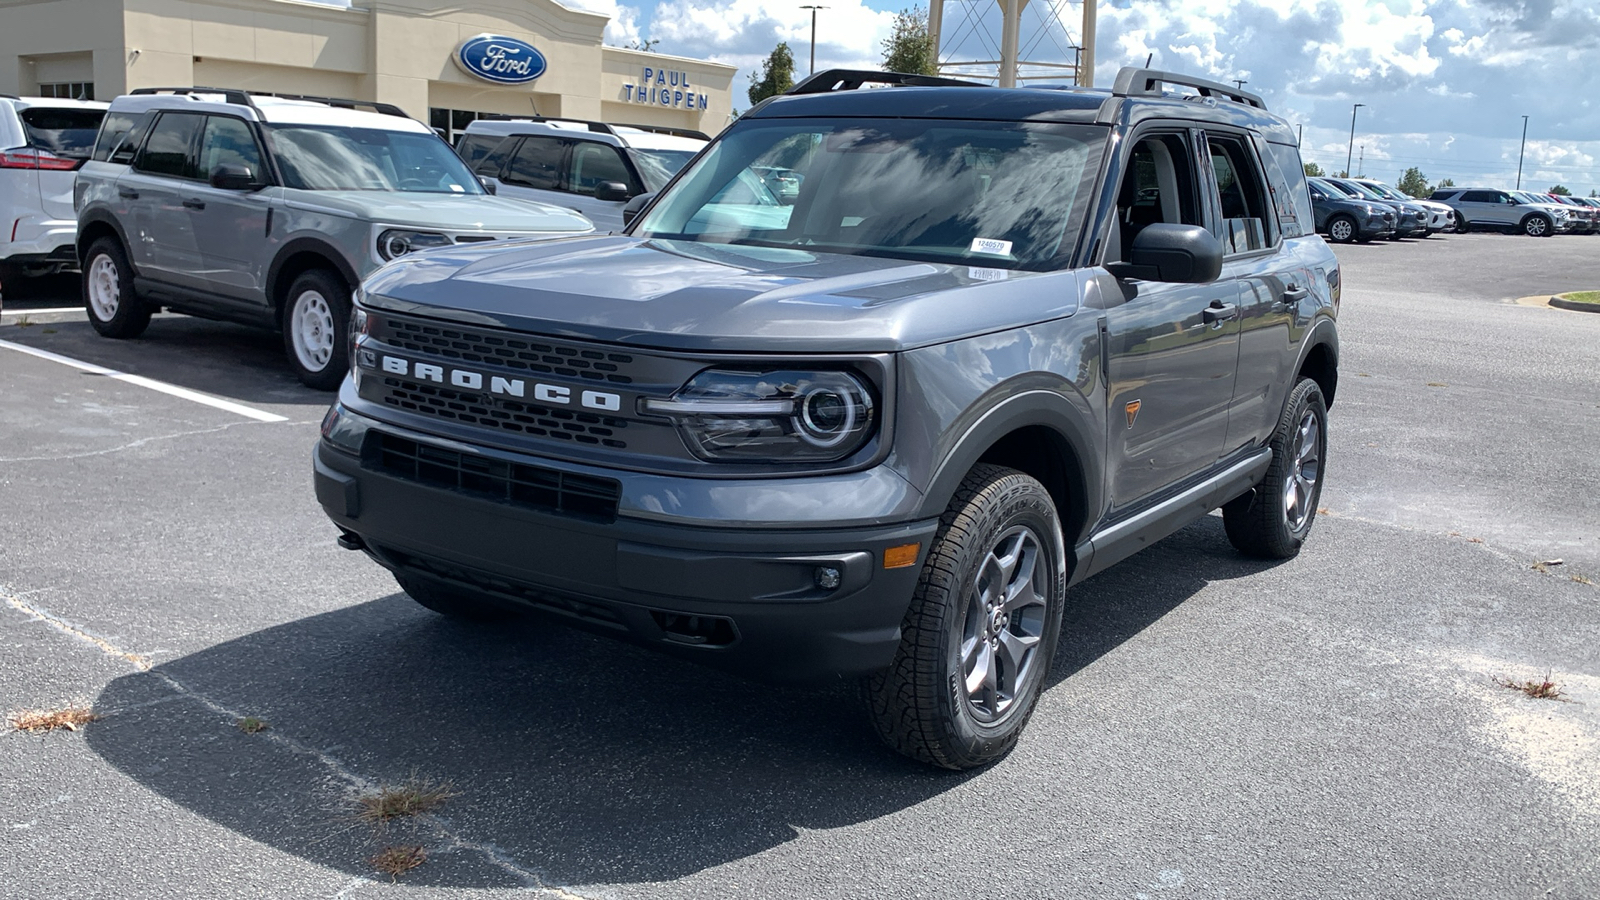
<point x="396" y="861"/>
<point x="1583" y="579"/>
<point x="252" y="725"/>
<point x="40" y="721"/>
<point x="1538" y="690"/>
<point x="412" y="797"/>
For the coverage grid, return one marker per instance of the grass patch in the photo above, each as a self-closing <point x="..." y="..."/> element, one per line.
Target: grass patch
<point x="1581" y="296"/>
<point x="41" y="721"/>
<point x="252" y="725"/>
<point x="1538" y="690"/>
<point x="412" y="797"/>
<point x="396" y="861"/>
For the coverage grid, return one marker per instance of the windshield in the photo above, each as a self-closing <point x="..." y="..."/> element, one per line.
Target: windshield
<point x="64" y="132"/>
<point x="1384" y="191"/>
<point x="657" y="167"/>
<point x="1358" y="189"/>
<point x="1003" y="195"/>
<point x="331" y="158"/>
<point x="1526" y="197"/>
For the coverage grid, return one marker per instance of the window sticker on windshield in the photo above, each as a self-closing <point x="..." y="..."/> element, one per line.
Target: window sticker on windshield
<point x="978" y="274"/>
<point x="457" y="189"/>
<point x="990" y="247"/>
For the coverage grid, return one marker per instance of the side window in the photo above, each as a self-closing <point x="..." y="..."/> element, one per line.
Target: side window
<point x="113" y="131"/>
<point x="1286" y="181"/>
<point x="1477" y="197"/>
<point x="1245" y="224"/>
<point x="537" y="164"/>
<point x="594" y="164"/>
<point x="171" y="147"/>
<point x="229" y="142"/>
<point x="1159" y="185"/>
<point x="474" y="147"/>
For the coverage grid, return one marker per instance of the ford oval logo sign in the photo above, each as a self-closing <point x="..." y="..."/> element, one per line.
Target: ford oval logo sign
<point x="500" y="59"/>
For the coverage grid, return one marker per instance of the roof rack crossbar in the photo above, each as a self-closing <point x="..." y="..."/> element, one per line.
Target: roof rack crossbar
<point x="596" y="127"/>
<point x="668" y="129"/>
<point x="1136" y="82"/>
<point x="230" y="95"/>
<point x="387" y="109"/>
<point x="830" y="80"/>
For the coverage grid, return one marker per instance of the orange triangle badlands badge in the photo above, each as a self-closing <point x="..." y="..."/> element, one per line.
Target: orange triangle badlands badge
<point x="1133" y="411"/>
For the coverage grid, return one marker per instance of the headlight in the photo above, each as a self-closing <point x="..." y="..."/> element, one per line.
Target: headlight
<point x="358" y="325"/>
<point x="1374" y="210"/>
<point x="771" y="416"/>
<point x="396" y="242"/>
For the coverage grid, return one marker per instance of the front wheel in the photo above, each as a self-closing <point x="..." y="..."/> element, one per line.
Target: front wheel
<point x="108" y="297"/>
<point x="315" y="321"/>
<point x="981" y="631"/>
<point x="1272" y="520"/>
<point x="1342" y="230"/>
<point x="1536" y="226"/>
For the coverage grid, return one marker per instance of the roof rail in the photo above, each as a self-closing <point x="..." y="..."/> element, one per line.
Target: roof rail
<point x="830" y="80"/>
<point x="596" y="127"/>
<point x="668" y="129"/>
<point x="1136" y="82"/>
<point x="387" y="109"/>
<point x="230" y="95"/>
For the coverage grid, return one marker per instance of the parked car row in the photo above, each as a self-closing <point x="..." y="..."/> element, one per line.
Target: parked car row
<point x="1517" y="212"/>
<point x="1360" y="209"/>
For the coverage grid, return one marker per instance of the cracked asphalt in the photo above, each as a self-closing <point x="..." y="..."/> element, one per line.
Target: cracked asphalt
<point x="1328" y="727"/>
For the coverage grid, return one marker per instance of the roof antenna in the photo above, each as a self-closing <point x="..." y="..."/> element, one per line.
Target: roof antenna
<point x="1147" y="59"/>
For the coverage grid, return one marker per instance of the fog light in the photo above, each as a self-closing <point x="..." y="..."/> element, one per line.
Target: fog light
<point x="827" y="578"/>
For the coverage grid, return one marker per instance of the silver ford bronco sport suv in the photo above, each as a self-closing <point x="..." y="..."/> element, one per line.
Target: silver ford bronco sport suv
<point x="269" y="211"/>
<point x="1001" y="340"/>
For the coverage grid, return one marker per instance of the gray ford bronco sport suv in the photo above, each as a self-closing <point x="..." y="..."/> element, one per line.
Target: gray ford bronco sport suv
<point x="1001" y="340"/>
<point x="269" y="211"/>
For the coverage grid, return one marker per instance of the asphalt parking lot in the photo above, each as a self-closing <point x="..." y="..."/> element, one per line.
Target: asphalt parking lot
<point x="1328" y="727"/>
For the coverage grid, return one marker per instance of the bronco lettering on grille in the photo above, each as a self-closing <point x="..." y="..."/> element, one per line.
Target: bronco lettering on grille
<point x="508" y="387"/>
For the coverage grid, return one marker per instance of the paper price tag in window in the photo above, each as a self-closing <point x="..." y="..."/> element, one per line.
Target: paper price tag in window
<point x="990" y="247"/>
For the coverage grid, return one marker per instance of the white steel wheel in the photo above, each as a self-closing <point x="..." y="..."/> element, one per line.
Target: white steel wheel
<point x="107" y="288"/>
<point x="100" y="282"/>
<point x="312" y="330"/>
<point x="315" y="316"/>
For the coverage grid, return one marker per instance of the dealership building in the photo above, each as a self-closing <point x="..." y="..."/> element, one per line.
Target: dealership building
<point x="442" y="61"/>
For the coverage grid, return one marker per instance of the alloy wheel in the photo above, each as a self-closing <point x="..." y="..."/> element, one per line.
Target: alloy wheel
<point x="1000" y="634"/>
<point x="1305" y="467"/>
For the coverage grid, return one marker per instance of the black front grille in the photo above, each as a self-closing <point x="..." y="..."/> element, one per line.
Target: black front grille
<point x="532" y="487"/>
<point x="511" y="352"/>
<point x="476" y="408"/>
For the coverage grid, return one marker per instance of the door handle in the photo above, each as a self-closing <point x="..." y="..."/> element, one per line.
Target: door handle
<point x="194" y="203"/>
<point x="1217" y="312"/>
<point x="1293" y="295"/>
<point x="127" y="193"/>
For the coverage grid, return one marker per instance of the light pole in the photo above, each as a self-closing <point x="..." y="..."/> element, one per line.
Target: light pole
<point x="1522" y="151"/>
<point x="1351" y="152"/>
<point x="813" y="9"/>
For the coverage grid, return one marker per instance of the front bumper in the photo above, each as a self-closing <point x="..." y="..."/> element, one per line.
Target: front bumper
<point x="1377" y="226"/>
<point x="745" y="599"/>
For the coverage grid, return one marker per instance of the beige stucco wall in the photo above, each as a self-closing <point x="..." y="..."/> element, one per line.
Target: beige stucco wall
<point x="396" y="51"/>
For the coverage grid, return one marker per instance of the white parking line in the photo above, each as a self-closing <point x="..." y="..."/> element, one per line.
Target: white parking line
<point x="37" y="312"/>
<point x="248" y="412"/>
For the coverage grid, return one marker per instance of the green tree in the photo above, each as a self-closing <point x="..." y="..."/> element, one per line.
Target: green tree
<point x="777" y="75"/>
<point x="909" y="48"/>
<point x="1444" y="184"/>
<point x="1413" y="184"/>
<point x="1560" y="189"/>
<point x="1314" y="171"/>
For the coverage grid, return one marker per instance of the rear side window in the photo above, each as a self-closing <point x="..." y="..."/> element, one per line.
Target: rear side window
<point x="1244" y="226"/>
<point x="1443" y="195"/>
<point x="64" y="132"/>
<point x="1286" y="179"/>
<point x="113" y="132"/>
<point x="537" y="164"/>
<point x="171" y="147"/>
<point x="1480" y="197"/>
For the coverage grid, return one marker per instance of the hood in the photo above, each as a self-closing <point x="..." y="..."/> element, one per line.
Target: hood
<point x="692" y="296"/>
<point x="444" y="212"/>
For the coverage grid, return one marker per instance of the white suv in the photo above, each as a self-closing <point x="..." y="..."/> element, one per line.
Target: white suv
<point x="591" y="167"/>
<point x="43" y="142"/>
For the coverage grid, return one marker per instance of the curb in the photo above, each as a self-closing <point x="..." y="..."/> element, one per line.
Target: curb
<point x="1574" y="306"/>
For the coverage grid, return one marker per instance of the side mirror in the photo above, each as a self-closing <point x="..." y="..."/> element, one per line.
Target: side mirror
<point x="488" y="184"/>
<point x="634" y="207"/>
<point x="611" y="191"/>
<point x="228" y="177"/>
<point x="1183" y="254"/>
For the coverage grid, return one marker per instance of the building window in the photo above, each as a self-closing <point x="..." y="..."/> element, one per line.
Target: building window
<point x="68" y="90"/>
<point x="451" y="124"/>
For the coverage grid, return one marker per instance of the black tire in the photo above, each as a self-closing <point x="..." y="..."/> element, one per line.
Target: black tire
<point x="920" y="705"/>
<point x="1342" y="230"/>
<point x="1262" y="522"/>
<point x="454" y="604"/>
<point x="114" y="309"/>
<point x="316" y="328"/>
<point x="1538" y="226"/>
<point x="1462" y="226"/>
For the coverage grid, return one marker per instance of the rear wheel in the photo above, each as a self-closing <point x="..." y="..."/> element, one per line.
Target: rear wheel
<point x="1461" y="224"/>
<point x="456" y="604"/>
<point x="1342" y="229"/>
<point x="108" y="296"/>
<point x="316" y="319"/>
<point x="1273" y="519"/>
<point x="981" y="630"/>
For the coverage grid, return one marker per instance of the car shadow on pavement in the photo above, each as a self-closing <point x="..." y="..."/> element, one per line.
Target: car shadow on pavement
<point x="580" y="759"/>
<point x="220" y="358"/>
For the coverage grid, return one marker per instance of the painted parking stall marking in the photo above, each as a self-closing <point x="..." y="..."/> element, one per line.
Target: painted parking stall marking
<point x="248" y="412"/>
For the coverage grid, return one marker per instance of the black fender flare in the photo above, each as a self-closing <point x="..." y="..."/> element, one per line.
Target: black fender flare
<point x="102" y="217"/>
<point x="1065" y="413"/>
<point x="308" y="245"/>
<point x="1324" y="332"/>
